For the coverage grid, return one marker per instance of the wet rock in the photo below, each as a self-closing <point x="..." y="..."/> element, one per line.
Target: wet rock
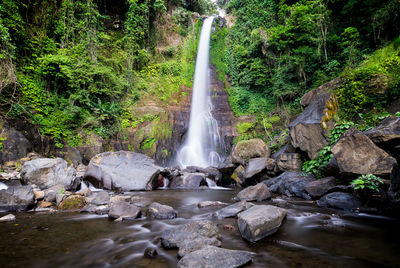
<point x="38" y="194"/>
<point x="191" y="236"/>
<point x="232" y="210"/>
<point x="210" y="172"/>
<point x="260" y="221"/>
<point x="15" y="145"/>
<point x="355" y="153"/>
<point x="73" y="202"/>
<point x="238" y="175"/>
<point x="331" y="168"/>
<point x="227" y="167"/>
<point x="48" y="172"/>
<point x="101" y="210"/>
<point x="9" y="217"/>
<point x="189" y="180"/>
<point x="345" y="201"/>
<point x="45" y="204"/>
<point x="306" y="132"/>
<point x="69" y="154"/>
<point x="255" y="166"/>
<point x="245" y="150"/>
<point x="290" y="184"/>
<point x="122" y="171"/>
<point x="388" y="130"/>
<point x="289" y="162"/>
<point x="123" y="210"/>
<point x="159" y="211"/>
<point x="211" y="257"/>
<point x="17" y="198"/>
<point x="258" y="192"/>
<point x="320" y="187"/>
<point x="205" y="204"/>
<point x="50" y="196"/>
<point x="150" y="253"/>
<point x="314" y="94"/>
<point x="99" y="198"/>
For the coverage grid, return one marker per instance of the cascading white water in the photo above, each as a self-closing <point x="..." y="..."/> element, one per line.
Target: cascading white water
<point x="203" y="139"/>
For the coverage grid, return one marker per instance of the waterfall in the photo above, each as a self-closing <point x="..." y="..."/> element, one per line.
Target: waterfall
<point x="203" y="140"/>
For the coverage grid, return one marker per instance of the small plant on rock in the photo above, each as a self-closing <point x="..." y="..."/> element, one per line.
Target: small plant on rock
<point x="369" y="181"/>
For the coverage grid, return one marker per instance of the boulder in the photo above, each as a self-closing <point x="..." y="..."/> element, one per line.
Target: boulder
<point x="72" y="202"/>
<point x="69" y="154"/>
<point x="15" y="145"/>
<point x="210" y="172"/>
<point x="258" y="192"/>
<point x="98" y="198"/>
<point x="191" y="236"/>
<point x="355" y="153"/>
<point x="388" y="130"/>
<point x="49" y="172"/>
<point x="238" y="175"/>
<point x="226" y="167"/>
<point x="340" y="200"/>
<point x="290" y="184"/>
<point x="313" y="95"/>
<point x="307" y="131"/>
<point x="289" y="162"/>
<point x="205" y="204"/>
<point x="123" y="210"/>
<point x="9" y="217"/>
<point x="245" y="150"/>
<point x="320" y="187"/>
<point x="188" y="180"/>
<point x="159" y="211"/>
<point x="255" y="166"/>
<point x="260" y="221"/>
<point x="214" y="257"/>
<point x="232" y="210"/>
<point x="17" y="198"/>
<point x="101" y="210"/>
<point x="122" y="171"/>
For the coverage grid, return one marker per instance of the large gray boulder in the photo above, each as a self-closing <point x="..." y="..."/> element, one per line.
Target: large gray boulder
<point x="188" y="180"/>
<point x="191" y="236"/>
<point x="258" y="192"/>
<point x="17" y="198"/>
<point x="232" y="210"/>
<point x="255" y="167"/>
<point x="98" y="198"/>
<point x="123" y="210"/>
<point x="159" y="211"/>
<point x="320" y="187"/>
<point x="214" y="257"/>
<point x="314" y="94"/>
<point x="306" y="131"/>
<point x="49" y="172"/>
<point x="388" y="130"/>
<point x="355" y="153"/>
<point x="122" y="171"/>
<point x="245" y="150"/>
<point x="290" y="184"/>
<point x="340" y="200"/>
<point x="260" y="221"/>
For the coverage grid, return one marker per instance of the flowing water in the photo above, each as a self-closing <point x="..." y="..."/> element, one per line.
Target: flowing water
<point x="203" y="140"/>
<point x="308" y="237"/>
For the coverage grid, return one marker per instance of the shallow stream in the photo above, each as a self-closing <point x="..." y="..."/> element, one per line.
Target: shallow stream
<point x="309" y="237"/>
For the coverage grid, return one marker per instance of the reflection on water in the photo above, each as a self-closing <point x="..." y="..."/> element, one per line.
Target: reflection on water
<point x="309" y="237"/>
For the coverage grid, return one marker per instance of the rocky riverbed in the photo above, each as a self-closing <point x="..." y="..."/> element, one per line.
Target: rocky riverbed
<point x="308" y="237"/>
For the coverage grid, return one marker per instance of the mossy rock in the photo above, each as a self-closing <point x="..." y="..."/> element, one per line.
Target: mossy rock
<point x="73" y="202"/>
<point x="245" y="150"/>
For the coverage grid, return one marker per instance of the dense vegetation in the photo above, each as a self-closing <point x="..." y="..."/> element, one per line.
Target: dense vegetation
<point x="78" y="67"/>
<point x="278" y="50"/>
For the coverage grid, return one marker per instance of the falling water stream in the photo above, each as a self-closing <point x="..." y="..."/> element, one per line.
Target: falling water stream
<point x="203" y="140"/>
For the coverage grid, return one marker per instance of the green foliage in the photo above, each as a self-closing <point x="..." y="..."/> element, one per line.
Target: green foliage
<point x="315" y="165"/>
<point x="364" y="182"/>
<point x="373" y="85"/>
<point x="61" y="191"/>
<point x="1" y="142"/>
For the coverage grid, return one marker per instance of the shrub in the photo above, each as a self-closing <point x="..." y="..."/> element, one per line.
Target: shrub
<point x="367" y="182"/>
